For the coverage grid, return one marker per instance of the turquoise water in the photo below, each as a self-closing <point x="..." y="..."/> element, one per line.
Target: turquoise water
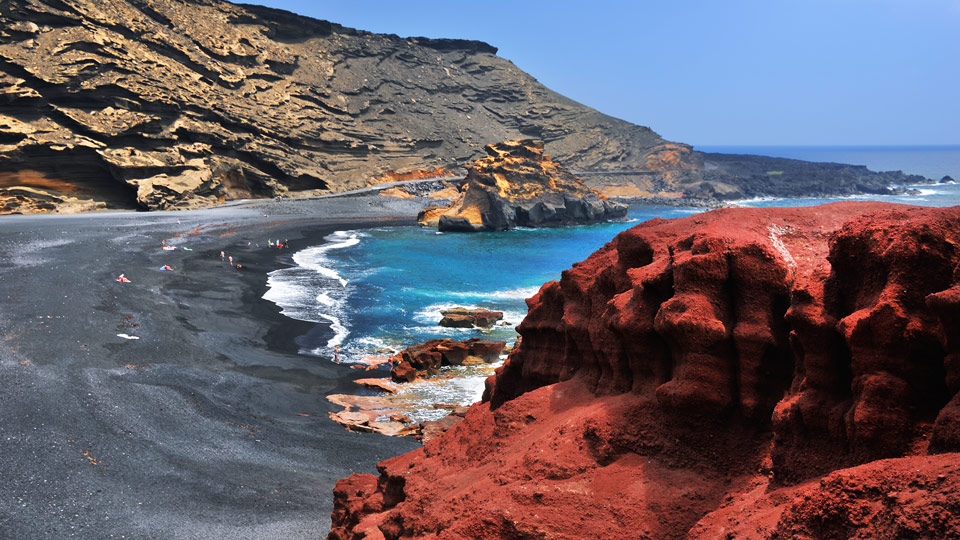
<point x="382" y="289"/>
<point x="933" y="162"/>
<point x="376" y="291"/>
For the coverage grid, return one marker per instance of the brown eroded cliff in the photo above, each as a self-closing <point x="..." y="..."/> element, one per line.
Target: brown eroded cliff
<point x="181" y="103"/>
<point x="517" y="185"/>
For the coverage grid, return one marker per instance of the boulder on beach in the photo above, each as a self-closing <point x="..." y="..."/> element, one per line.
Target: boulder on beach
<point x="517" y="185"/>
<point x="459" y="317"/>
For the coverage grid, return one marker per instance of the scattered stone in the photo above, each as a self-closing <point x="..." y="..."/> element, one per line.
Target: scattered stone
<point x="361" y="412"/>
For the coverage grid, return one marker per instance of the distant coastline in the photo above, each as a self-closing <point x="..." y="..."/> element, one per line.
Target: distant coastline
<point x="931" y="161"/>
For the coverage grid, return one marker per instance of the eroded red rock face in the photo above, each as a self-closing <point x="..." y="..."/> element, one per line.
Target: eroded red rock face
<point x="695" y="366"/>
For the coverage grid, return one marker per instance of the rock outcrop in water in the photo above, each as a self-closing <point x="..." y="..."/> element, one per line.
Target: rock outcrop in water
<point x="427" y="358"/>
<point x="459" y="317"/>
<point x="756" y="373"/>
<point x="517" y="185"/>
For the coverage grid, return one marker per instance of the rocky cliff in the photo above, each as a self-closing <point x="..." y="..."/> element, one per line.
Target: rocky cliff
<point x="517" y="185"/>
<point x="744" y="373"/>
<point x="185" y="102"/>
<point x="181" y="103"/>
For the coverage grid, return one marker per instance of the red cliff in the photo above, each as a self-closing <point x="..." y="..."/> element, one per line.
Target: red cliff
<point x="744" y="373"/>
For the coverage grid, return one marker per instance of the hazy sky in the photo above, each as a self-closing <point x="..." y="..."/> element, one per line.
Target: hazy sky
<point x="832" y="72"/>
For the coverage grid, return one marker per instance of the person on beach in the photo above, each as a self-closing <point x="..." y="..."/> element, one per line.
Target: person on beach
<point x="230" y="259"/>
<point x="336" y="354"/>
<point x="166" y="268"/>
<point x="222" y="255"/>
<point x="270" y="242"/>
<point x="122" y="279"/>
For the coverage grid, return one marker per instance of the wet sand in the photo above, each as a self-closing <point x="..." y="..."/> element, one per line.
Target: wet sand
<point x="194" y="430"/>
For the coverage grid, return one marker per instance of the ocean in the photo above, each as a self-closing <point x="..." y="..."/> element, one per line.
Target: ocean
<point x="376" y="291"/>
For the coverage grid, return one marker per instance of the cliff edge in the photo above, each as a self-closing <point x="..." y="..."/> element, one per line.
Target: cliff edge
<point x="743" y="373"/>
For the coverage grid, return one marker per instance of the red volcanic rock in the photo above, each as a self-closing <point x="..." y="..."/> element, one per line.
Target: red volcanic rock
<point x="911" y="497"/>
<point x="468" y="318"/>
<point x="427" y="358"/>
<point x="697" y="369"/>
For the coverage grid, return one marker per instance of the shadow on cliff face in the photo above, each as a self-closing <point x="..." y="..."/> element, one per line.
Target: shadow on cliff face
<point x="66" y="188"/>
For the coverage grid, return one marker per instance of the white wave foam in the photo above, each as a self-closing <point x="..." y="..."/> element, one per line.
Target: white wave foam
<point x="340" y="331"/>
<point x="521" y="293"/>
<point x="324" y="271"/>
<point x="313" y="291"/>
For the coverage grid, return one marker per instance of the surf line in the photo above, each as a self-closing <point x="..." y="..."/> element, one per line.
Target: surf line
<point x="312" y="291"/>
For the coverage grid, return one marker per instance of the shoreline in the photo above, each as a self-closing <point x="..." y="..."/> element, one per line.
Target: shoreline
<point x="211" y="424"/>
<point x="195" y="429"/>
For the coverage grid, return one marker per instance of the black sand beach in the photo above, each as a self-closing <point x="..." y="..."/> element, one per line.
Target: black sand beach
<point x="194" y="429"/>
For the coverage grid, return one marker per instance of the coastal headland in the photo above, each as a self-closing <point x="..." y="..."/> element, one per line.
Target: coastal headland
<point x="184" y="104"/>
<point x="743" y="373"/>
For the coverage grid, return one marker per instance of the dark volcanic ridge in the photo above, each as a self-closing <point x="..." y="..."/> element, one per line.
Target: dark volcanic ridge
<point x="186" y="103"/>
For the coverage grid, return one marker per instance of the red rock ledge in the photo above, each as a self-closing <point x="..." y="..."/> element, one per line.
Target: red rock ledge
<point x="744" y="373"/>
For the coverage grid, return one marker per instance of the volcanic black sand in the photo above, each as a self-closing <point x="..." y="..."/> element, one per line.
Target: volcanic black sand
<point x="194" y="429"/>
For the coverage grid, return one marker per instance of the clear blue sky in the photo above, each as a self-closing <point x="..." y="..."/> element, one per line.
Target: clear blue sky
<point x="764" y="72"/>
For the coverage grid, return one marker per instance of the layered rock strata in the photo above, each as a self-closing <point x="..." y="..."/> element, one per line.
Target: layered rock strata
<point x="517" y="185"/>
<point x="761" y="373"/>
<point x="184" y="103"/>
